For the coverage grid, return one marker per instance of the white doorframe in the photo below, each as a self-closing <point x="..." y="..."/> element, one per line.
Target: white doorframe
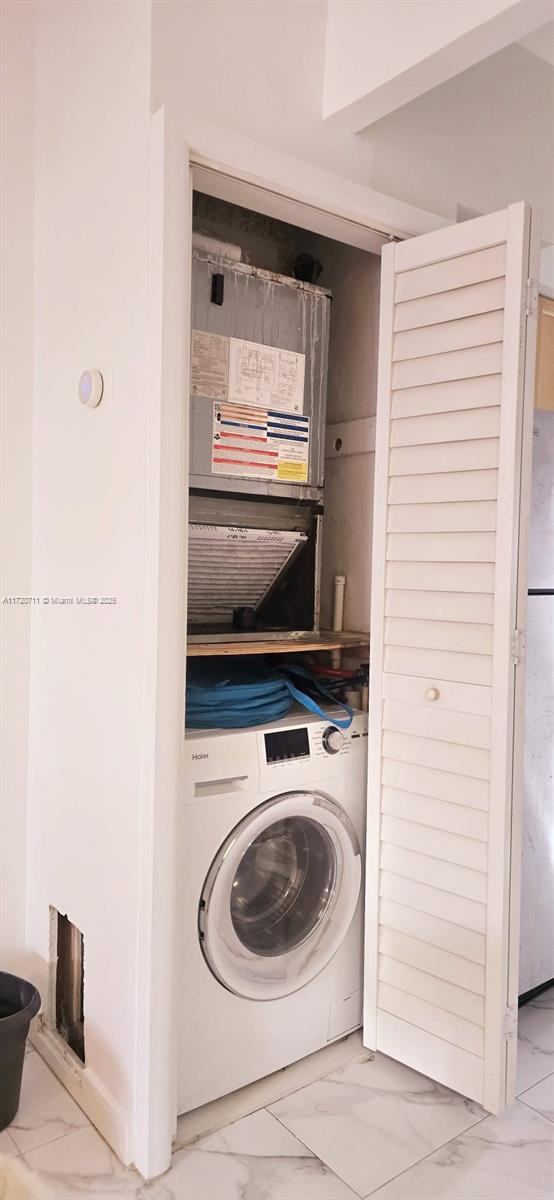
<point x="317" y="201"/>
<point x="154" y="1104"/>
<point x="525" y="467"/>
<point x="503" y="886"/>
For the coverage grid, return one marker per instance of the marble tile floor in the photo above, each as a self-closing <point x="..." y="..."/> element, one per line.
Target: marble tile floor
<point x="369" y="1129"/>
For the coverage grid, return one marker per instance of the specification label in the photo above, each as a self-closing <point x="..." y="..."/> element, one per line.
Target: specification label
<point x="210" y="365"/>
<point x="247" y="373"/>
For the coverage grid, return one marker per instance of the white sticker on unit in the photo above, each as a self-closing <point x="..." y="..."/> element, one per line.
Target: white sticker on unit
<point x="266" y="376"/>
<point x="210" y="365"/>
<point x="260" y="443"/>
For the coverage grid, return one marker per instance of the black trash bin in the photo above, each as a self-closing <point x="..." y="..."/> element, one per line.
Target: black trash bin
<point x="19" y="1003"/>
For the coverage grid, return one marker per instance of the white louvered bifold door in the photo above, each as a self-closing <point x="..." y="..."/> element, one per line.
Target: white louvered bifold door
<point x="444" y="606"/>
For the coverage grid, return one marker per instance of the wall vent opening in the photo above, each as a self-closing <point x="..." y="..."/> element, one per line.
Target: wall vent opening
<point x="70" y="1019"/>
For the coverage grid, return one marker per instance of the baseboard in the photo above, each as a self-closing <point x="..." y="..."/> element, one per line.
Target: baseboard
<point x="216" y="1114"/>
<point x="86" y="1089"/>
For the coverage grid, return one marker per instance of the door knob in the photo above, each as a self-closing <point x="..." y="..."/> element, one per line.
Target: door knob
<point x="432" y="693"/>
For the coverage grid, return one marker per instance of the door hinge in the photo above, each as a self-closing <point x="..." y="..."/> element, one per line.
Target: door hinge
<point x="510" y="1023"/>
<point x="518" y="646"/>
<point x="532" y="297"/>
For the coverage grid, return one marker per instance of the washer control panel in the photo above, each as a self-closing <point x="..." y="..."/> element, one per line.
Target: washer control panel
<point x="292" y="753"/>
<point x="294" y="747"/>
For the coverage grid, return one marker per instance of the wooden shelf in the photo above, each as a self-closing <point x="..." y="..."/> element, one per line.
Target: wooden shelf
<point x="245" y="643"/>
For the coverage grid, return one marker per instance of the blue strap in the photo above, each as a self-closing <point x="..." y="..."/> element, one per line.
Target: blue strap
<point x="311" y="705"/>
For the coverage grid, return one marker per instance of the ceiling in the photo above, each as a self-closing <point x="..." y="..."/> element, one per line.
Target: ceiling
<point x="541" y="42"/>
<point x="482" y="140"/>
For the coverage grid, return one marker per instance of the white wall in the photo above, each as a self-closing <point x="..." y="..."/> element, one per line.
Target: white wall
<point x="86" y="792"/>
<point x="354" y="279"/>
<point x="380" y="54"/>
<point x="256" y="69"/>
<point x="484" y="139"/>
<point x="247" y="80"/>
<point x="252" y="91"/>
<point x="16" y="319"/>
<point x="248" y="94"/>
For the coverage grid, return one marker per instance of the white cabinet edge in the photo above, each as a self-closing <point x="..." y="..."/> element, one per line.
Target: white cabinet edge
<point x="350" y="437"/>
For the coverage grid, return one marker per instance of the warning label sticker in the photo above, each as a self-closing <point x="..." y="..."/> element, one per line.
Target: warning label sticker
<point x="210" y="365"/>
<point x="259" y="443"/>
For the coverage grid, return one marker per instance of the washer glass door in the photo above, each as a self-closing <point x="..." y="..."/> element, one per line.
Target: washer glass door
<point x="280" y="895"/>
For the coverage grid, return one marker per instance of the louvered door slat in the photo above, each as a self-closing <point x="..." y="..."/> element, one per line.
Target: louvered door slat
<point x="424" y="839"/>
<point x="435" y="814"/>
<point x="439" y="635"/>
<point x="434" y="900"/>
<point x="447" y="397"/>
<point x="438" y="489"/>
<point x="432" y="1018"/>
<point x="440" y="338"/>
<point x="448" y="306"/>
<point x="441" y="606"/>
<point x="440" y="367"/>
<point x="445" y="573"/>
<point x="443" y="785"/>
<point x="461" y="728"/>
<point x="451" y="273"/>
<point x="440" y="664"/>
<point x="438" y="873"/>
<point x="432" y="959"/>
<point x="441" y="547"/>
<point x="462" y="425"/>
<point x="454" y="999"/>
<point x="444" y="577"/>
<point x="475" y="516"/>
<point x="446" y="456"/>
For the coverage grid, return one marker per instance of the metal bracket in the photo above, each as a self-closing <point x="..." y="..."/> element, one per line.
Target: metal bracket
<point x="518" y="647"/>
<point x="532" y="297"/>
<point x="510" y="1023"/>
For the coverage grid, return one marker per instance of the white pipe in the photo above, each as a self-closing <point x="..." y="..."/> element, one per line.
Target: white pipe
<point x="338" y="616"/>
<point x="338" y="608"/>
<point x="211" y="245"/>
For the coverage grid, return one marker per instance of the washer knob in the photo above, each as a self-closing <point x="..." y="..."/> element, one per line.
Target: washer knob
<point x="333" y="739"/>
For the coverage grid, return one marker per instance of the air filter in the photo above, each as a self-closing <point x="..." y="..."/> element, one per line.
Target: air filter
<point x="232" y="567"/>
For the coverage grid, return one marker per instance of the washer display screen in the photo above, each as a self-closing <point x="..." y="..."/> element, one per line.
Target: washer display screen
<point x="287" y="744"/>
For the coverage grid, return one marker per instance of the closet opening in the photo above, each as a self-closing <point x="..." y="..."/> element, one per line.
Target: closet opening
<point x="284" y="343"/>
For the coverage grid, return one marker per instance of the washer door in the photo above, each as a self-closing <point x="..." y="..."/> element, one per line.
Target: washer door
<point x="280" y="895"/>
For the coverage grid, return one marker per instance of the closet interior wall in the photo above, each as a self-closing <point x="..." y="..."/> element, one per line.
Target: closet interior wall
<point x="353" y="276"/>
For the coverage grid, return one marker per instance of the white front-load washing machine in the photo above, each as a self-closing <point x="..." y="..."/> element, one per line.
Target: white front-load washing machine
<point x="271" y="899"/>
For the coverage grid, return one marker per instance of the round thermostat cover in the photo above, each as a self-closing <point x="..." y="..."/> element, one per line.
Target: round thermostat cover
<point x="91" y="387"/>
